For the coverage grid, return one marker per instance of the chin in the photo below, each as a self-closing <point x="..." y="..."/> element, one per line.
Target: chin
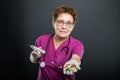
<point x="63" y="36"/>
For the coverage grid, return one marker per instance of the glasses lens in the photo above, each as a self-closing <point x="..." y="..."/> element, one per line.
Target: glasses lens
<point x="61" y="23"/>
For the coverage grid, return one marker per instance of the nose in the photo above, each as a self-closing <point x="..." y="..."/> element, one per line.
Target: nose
<point x="64" y="26"/>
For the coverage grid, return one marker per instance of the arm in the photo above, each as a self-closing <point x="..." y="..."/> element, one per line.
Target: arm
<point x="73" y="65"/>
<point x="77" y="58"/>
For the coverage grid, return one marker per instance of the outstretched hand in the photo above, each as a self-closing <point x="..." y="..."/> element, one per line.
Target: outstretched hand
<point x="71" y="67"/>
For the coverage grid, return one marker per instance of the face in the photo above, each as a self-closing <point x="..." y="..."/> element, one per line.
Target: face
<point x="63" y="25"/>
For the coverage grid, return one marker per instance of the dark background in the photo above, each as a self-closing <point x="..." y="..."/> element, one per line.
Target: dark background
<point x="98" y="24"/>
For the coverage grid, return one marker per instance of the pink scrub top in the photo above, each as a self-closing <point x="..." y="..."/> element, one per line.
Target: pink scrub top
<point x="55" y="58"/>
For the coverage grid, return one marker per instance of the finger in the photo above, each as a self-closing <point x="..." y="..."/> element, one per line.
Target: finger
<point x="40" y="47"/>
<point x="67" y="72"/>
<point x="64" y="71"/>
<point x="71" y="72"/>
<point x="74" y="69"/>
<point x="31" y="58"/>
<point x="34" y="54"/>
<point x="37" y="51"/>
<point x="78" y="67"/>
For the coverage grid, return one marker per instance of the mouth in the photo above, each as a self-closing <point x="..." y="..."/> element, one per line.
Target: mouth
<point x="63" y="31"/>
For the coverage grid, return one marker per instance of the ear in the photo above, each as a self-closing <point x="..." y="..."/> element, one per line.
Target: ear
<point x="74" y="25"/>
<point x="53" y="23"/>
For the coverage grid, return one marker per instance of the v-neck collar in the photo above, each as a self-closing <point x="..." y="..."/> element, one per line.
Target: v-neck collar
<point x="61" y="45"/>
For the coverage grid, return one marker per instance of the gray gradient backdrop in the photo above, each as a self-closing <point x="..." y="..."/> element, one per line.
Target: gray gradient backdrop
<point x="98" y="25"/>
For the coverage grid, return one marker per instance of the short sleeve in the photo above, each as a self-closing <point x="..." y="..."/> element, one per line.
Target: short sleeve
<point x="39" y="41"/>
<point x="78" y="48"/>
<point x="42" y="41"/>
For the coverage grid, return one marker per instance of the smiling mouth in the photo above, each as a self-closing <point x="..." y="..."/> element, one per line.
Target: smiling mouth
<point x="63" y="31"/>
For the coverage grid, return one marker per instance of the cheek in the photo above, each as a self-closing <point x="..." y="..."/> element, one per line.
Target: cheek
<point x="71" y="29"/>
<point x="55" y="27"/>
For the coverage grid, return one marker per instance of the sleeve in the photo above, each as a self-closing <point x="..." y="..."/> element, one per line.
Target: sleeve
<point x="38" y="41"/>
<point x="78" y="48"/>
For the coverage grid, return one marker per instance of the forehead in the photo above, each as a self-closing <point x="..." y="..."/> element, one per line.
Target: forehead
<point x="65" y="17"/>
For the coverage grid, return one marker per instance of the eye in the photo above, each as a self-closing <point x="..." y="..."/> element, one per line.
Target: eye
<point x="69" y="23"/>
<point x="60" y="21"/>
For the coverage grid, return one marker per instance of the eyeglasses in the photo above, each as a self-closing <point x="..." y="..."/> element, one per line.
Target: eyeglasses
<point x="61" y="23"/>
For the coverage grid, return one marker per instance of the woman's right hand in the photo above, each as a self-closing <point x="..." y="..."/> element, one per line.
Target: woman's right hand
<point x="36" y="53"/>
<point x="34" y="56"/>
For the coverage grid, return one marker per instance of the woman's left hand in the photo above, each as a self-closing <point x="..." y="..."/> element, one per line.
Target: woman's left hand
<point x="71" y="67"/>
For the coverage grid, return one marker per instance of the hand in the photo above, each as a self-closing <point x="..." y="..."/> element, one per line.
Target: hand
<point x="37" y="49"/>
<point x="36" y="53"/>
<point x="34" y="56"/>
<point x="71" y="67"/>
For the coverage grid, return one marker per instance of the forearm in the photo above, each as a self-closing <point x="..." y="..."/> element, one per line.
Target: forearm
<point x="77" y="58"/>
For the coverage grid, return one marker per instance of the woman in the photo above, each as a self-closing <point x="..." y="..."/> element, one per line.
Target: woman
<point x="63" y="53"/>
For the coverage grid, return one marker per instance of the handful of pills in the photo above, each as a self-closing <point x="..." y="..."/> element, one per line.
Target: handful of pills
<point x="69" y="69"/>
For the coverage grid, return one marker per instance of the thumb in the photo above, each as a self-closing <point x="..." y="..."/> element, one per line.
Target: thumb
<point x="77" y="65"/>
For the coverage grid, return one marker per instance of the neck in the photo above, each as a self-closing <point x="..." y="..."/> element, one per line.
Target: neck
<point x="59" y="39"/>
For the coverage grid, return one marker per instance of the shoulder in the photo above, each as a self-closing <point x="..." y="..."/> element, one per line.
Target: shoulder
<point x="74" y="41"/>
<point x="43" y="37"/>
<point x="42" y="40"/>
<point x="77" y="46"/>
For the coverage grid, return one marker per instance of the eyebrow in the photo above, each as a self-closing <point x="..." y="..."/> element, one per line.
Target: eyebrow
<point x="63" y="20"/>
